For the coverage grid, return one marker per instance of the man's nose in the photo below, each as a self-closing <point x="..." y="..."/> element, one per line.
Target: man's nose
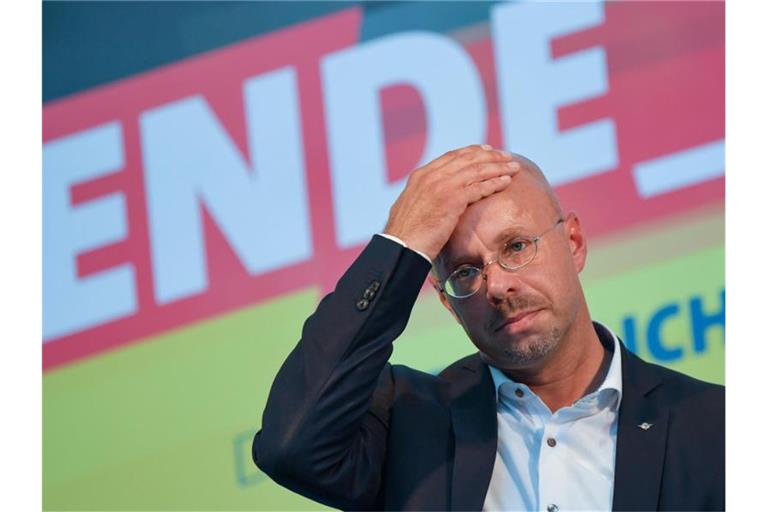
<point x="499" y="282"/>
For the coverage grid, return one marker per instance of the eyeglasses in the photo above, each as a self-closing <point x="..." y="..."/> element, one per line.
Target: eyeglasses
<point x="513" y="255"/>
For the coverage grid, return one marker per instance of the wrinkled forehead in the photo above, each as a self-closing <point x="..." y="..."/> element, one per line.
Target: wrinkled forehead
<point x="523" y="208"/>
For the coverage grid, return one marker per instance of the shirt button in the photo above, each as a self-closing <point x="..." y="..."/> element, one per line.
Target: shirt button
<point x="369" y="294"/>
<point x="551" y="442"/>
<point x="519" y="392"/>
<point x="552" y="508"/>
<point x="362" y="305"/>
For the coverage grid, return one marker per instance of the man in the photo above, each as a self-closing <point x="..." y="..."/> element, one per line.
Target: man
<point x="553" y="413"/>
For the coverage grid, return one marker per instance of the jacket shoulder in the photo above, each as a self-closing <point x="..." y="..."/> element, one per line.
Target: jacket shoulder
<point x="683" y="383"/>
<point x="683" y="392"/>
<point x="472" y="362"/>
<point x="410" y="382"/>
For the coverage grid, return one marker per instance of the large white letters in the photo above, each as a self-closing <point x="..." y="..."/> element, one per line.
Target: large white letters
<point x="532" y="86"/>
<point x="450" y="88"/>
<point x="259" y="201"/>
<point x="70" y="303"/>
<point x="190" y="161"/>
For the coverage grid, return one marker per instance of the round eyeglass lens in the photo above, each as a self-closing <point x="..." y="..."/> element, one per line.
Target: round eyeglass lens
<point x="463" y="282"/>
<point x="517" y="253"/>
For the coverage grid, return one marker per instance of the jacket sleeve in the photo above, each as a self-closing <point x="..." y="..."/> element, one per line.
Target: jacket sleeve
<point x="324" y="428"/>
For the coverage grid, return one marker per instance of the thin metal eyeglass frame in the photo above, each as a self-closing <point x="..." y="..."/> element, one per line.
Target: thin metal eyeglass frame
<point x="535" y="241"/>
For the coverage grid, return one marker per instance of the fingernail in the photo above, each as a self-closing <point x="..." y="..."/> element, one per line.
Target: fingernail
<point x="513" y="165"/>
<point x="506" y="153"/>
<point x="486" y="146"/>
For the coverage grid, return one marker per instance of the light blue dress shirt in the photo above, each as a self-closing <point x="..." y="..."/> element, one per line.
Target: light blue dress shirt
<point x="555" y="462"/>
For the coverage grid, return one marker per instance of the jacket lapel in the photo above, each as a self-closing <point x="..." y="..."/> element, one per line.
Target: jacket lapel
<point x="473" y="414"/>
<point x="641" y="439"/>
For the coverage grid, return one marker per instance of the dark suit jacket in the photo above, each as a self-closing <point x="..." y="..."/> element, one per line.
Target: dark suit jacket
<point x="344" y="427"/>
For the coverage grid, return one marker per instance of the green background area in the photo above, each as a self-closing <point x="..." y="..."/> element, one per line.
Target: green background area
<point x="167" y="423"/>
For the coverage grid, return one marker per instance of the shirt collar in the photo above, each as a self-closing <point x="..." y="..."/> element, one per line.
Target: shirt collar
<point x="612" y="379"/>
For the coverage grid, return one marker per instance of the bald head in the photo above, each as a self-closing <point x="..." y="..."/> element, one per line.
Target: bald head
<point x="529" y="166"/>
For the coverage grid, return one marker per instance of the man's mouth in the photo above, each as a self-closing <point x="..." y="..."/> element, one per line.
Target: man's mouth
<point x="518" y="321"/>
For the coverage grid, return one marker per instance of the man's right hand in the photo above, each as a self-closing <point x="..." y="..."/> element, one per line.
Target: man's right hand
<point x="435" y="196"/>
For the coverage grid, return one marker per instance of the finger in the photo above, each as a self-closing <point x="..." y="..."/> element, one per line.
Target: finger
<point x="473" y="158"/>
<point x="481" y="189"/>
<point x="485" y="171"/>
<point x="453" y="154"/>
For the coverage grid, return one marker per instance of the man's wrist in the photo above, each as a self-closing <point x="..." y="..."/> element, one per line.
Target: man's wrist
<point x="397" y="240"/>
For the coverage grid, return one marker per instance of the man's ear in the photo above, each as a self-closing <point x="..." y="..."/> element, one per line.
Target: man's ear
<point x="433" y="280"/>
<point x="577" y="242"/>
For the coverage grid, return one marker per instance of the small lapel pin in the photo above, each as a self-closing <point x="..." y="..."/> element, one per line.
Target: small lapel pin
<point x="645" y="425"/>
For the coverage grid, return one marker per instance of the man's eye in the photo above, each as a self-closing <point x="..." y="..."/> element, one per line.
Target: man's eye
<point x="517" y="246"/>
<point x="464" y="273"/>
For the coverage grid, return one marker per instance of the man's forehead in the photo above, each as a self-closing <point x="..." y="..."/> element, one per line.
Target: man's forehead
<point x="520" y="204"/>
<point x="517" y="210"/>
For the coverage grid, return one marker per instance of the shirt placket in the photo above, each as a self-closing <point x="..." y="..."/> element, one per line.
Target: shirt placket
<point x="550" y="463"/>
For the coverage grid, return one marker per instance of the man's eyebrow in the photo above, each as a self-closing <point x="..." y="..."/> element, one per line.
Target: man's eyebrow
<point x="452" y="263"/>
<point x="511" y="231"/>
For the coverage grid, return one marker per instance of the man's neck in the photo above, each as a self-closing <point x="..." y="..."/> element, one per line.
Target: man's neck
<point x="576" y="368"/>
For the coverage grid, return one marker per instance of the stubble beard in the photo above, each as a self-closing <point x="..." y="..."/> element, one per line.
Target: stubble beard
<point x="531" y="350"/>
